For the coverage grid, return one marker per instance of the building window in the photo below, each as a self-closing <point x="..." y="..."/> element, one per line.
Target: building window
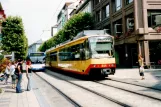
<point x="128" y="1"/>
<point x="98" y="16"/>
<point x="106" y="11"/>
<point x="118" y="4"/>
<point x="108" y="29"/>
<point x="154" y="18"/>
<point x="96" y="2"/>
<point x="118" y="28"/>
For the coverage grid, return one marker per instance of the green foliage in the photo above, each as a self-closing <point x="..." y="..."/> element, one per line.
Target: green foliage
<point x="77" y="23"/>
<point x="1" y="57"/>
<point x="3" y="64"/>
<point x="13" y="37"/>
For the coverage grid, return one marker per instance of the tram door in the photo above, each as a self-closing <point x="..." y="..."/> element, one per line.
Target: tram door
<point x="134" y="57"/>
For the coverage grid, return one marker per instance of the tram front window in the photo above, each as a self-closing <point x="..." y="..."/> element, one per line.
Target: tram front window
<point x="101" y="47"/>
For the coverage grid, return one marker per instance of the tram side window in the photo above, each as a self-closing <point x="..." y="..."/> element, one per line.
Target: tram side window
<point x="64" y="54"/>
<point x="53" y="56"/>
<point x="47" y="57"/>
<point x="86" y="49"/>
<point x="75" y="52"/>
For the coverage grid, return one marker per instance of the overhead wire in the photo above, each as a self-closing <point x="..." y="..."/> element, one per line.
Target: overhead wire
<point x="52" y="16"/>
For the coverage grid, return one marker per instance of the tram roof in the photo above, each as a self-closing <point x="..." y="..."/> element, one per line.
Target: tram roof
<point x="82" y="34"/>
<point x="89" y="33"/>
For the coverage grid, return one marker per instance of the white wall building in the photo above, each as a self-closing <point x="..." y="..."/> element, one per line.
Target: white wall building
<point x="63" y="15"/>
<point x="34" y="47"/>
<point x="82" y="6"/>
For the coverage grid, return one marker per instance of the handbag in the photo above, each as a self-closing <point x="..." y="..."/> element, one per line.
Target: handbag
<point x="14" y="76"/>
<point x="141" y="71"/>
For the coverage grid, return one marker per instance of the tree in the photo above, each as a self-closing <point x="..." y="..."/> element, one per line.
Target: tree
<point x="77" y="23"/>
<point x="13" y="37"/>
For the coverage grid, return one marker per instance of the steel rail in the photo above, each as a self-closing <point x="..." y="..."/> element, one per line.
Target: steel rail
<point x="60" y="92"/>
<point x="135" y="84"/>
<point x="94" y="92"/>
<point x="129" y="91"/>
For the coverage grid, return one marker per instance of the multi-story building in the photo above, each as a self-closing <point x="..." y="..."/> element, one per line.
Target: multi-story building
<point x="136" y="26"/>
<point x="82" y="6"/>
<point x="2" y="17"/>
<point x="34" y="47"/>
<point x="63" y="15"/>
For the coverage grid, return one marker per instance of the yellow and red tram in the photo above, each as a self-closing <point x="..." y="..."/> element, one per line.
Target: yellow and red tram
<point x="91" y="52"/>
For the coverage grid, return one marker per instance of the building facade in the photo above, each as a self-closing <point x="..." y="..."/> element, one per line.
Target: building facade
<point x="2" y="17"/>
<point x="63" y="15"/>
<point x="34" y="47"/>
<point x="82" y="6"/>
<point x="136" y="26"/>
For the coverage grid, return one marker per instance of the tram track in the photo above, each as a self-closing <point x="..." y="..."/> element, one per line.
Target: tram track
<point x="115" y="100"/>
<point x="89" y="90"/>
<point x="153" y="88"/>
<point x="159" y="99"/>
<point x="74" y="103"/>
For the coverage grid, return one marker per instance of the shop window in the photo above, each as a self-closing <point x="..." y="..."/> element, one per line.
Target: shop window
<point x="106" y="11"/>
<point x="128" y="1"/>
<point x="154" y="18"/>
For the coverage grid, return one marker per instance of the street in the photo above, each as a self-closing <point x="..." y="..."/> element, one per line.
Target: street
<point x="123" y="89"/>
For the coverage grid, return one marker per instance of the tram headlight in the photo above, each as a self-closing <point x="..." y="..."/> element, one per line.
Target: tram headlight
<point x="94" y="65"/>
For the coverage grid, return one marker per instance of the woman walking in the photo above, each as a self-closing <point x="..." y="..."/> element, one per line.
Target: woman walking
<point x="7" y="72"/>
<point x="28" y="74"/>
<point x="141" y="66"/>
<point x="12" y="70"/>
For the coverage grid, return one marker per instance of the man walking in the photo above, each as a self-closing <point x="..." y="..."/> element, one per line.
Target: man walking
<point x="19" y="70"/>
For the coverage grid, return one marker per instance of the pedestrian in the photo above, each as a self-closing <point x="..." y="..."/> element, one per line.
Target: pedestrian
<point x="19" y="70"/>
<point x="24" y="66"/>
<point x="7" y="72"/>
<point x="141" y="66"/>
<point x="13" y="75"/>
<point x="28" y="74"/>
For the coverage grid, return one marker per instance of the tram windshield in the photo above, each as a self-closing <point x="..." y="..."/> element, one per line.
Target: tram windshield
<point x="101" y="47"/>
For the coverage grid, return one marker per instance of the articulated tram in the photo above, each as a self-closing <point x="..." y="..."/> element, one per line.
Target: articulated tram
<point x="91" y="52"/>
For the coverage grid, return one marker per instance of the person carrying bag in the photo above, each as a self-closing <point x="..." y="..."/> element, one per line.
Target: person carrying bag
<point x="141" y="66"/>
<point x="13" y="75"/>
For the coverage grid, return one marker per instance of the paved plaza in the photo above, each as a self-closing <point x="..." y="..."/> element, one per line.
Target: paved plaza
<point x="9" y="97"/>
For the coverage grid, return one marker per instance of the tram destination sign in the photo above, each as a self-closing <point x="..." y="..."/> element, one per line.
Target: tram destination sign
<point x="104" y="39"/>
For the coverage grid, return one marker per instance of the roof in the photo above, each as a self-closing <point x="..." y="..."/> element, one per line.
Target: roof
<point x="2" y="11"/>
<point x="65" y="5"/>
<point x="37" y="42"/>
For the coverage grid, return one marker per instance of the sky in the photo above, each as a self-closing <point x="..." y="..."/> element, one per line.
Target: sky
<point x="38" y="16"/>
